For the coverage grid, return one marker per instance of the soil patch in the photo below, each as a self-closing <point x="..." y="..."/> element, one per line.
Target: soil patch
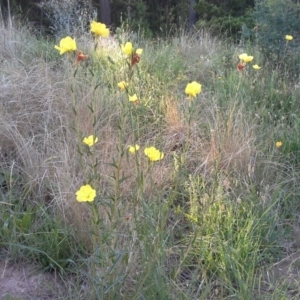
<point x="25" y="282"/>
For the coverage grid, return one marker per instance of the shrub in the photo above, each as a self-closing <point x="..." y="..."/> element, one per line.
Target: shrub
<point x="224" y="17"/>
<point x="274" y="20"/>
<point x="68" y="16"/>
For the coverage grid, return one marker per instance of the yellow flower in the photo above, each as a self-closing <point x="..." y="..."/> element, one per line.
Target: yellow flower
<point x="133" y="98"/>
<point x="256" y="67"/>
<point x="85" y="194"/>
<point x="248" y="59"/>
<point x="90" y="140"/>
<point x="133" y="149"/>
<point x="122" y="85"/>
<point x="99" y="29"/>
<point x="278" y="144"/>
<point x="66" y="44"/>
<point x="245" y="57"/>
<point x="127" y="48"/>
<point x="288" y="37"/>
<point x="139" y="51"/>
<point x="192" y="89"/>
<point x="242" y="56"/>
<point x="153" y="154"/>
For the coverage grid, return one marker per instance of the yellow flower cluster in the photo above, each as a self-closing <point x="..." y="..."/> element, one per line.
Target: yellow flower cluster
<point x="152" y="153"/>
<point x="86" y="193"/>
<point x="129" y="50"/>
<point x="68" y="44"/>
<point x="133" y="149"/>
<point x="244" y="57"/>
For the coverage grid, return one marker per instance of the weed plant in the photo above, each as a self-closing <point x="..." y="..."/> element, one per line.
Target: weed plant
<point x="130" y="179"/>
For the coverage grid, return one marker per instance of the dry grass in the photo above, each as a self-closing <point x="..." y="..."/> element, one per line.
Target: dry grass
<point x="40" y="134"/>
<point x="37" y="120"/>
<point x="36" y="131"/>
<point x="226" y="139"/>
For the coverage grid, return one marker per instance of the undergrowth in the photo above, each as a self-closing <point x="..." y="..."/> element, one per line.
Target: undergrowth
<point x="208" y="218"/>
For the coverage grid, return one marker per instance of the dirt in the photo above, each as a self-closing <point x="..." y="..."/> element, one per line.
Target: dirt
<point x="20" y="281"/>
<point x="287" y="271"/>
<point x="25" y="282"/>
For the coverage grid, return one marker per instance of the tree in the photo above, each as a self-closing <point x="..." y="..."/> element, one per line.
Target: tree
<point x="274" y="20"/>
<point x="105" y="12"/>
<point x="192" y="14"/>
<point x="165" y="15"/>
<point x="225" y="16"/>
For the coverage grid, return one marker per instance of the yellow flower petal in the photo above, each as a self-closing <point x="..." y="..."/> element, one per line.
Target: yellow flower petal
<point x="85" y="194"/>
<point x="132" y="98"/>
<point x="139" y="51"/>
<point x="242" y="56"/>
<point x="153" y="154"/>
<point x="133" y="149"/>
<point x="90" y="140"/>
<point x="278" y="144"/>
<point x="288" y="37"/>
<point x="245" y="57"/>
<point x="256" y="67"/>
<point x="127" y="48"/>
<point x="248" y="59"/>
<point x="122" y="85"/>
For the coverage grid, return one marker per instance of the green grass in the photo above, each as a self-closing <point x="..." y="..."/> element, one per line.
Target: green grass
<point x="208" y="221"/>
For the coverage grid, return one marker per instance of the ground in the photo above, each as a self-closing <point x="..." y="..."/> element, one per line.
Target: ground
<point x="25" y="282"/>
<point x="19" y="281"/>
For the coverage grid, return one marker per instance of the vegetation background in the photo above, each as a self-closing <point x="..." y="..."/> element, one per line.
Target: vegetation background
<point x="153" y="17"/>
<point x="218" y="216"/>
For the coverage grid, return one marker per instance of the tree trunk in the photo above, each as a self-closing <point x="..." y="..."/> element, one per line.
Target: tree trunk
<point x="192" y="14"/>
<point x="105" y="12"/>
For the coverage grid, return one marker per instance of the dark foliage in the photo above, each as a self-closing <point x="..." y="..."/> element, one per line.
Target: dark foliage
<point x="155" y="16"/>
<point x="225" y="16"/>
